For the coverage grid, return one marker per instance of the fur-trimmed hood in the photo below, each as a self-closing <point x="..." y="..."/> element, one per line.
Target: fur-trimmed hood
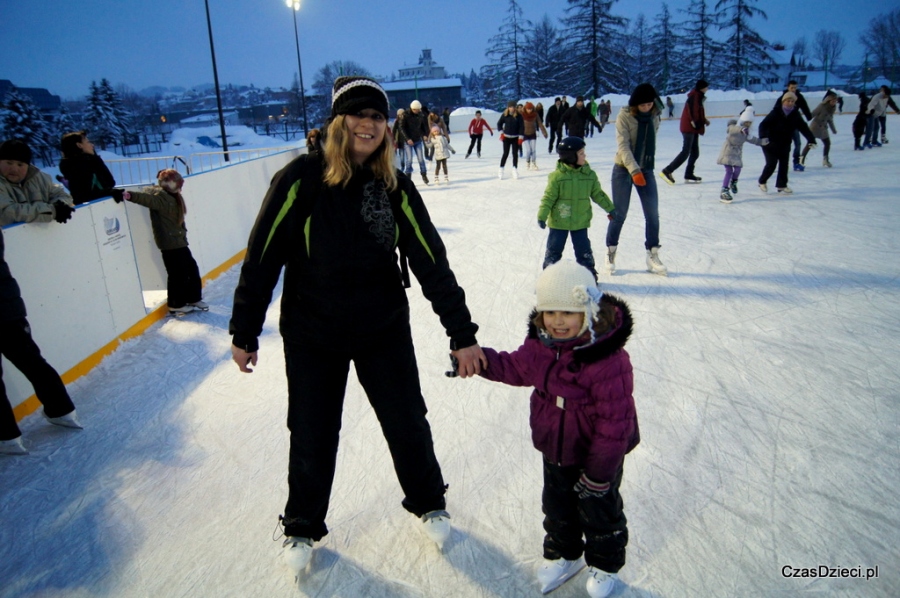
<point x="611" y="331"/>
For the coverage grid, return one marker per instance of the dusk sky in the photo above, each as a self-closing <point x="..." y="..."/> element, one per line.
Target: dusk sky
<point x="63" y="46"/>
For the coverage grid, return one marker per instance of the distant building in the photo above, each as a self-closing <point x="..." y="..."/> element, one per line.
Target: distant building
<point x="205" y="120"/>
<point x="426" y="82"/>
<point x="43" y="99"/>
<point x="426" y="69"/>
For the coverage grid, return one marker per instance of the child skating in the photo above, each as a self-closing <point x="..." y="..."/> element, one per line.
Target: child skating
<point x="441" y="149"/>
<point x="566" y="204"/>
<point x="583" y="421"/>
<point x="731" y="156"/>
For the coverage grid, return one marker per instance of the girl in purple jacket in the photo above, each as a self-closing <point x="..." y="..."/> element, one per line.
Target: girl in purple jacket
<point x="583" y="421"/>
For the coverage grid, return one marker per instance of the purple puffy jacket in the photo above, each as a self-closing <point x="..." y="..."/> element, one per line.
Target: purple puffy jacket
<point x="582" y="408"/>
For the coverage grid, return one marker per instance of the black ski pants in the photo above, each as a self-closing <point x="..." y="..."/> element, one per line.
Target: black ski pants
<point x="20" y="349"/>
<point x="510" y="143"/>
<point x="555" y="134"/>
<point x="317" y="379"/>
<point x="476" y="141"/>
<point x="690" y="151"/>
<point x="593" y="526"/>
<point x="184" y="283"/>
<point x="776" y="157"/>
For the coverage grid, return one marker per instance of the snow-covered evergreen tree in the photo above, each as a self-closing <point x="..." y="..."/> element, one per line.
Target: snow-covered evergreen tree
<point x="318" y="106"/>
<point x="22" y="120"/>
<point x="64" y="124"/>
<point x="643" y="62"/>
<point x="106" y="120"/>
<point x="664" y="50"/>
<point x="745" y="48"/>
<point x="507" y="53"/>
<point x="474" y="89"/>
<point x="543" y="55"/>
<point x="593" y="37"/>
<point x="702" y="57"/>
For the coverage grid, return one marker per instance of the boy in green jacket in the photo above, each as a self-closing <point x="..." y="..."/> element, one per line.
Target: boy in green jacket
<point x="566" y="204"/>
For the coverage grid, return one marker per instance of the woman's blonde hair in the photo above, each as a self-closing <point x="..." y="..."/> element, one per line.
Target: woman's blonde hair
<point x="339" y="167"/>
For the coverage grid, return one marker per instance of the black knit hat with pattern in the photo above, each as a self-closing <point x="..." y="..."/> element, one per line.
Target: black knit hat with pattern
<point x="352" y="94"/>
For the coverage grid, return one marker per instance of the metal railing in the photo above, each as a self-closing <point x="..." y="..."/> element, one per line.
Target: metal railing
<point x="203" y="161"/>
<point x="142" y="171"/>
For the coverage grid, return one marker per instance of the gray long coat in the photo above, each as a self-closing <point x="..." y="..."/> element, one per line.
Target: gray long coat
<point x="822" y="120"/>
<point x="733" y="148"/>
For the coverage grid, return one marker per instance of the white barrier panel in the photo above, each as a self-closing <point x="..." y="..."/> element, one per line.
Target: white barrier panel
<point x="83" y="281"/>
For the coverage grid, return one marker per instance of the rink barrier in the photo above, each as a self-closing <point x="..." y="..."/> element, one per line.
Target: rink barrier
<point x="96" y="292"/>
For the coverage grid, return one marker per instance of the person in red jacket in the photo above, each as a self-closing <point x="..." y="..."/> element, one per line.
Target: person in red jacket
<point x="693" y="124"/>
<point x="583" y="421"/>
<point x="476" y="132"/>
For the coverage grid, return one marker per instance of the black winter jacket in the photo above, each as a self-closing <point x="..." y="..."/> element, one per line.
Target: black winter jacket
<point x="801" y="103"/>
<point x="511" y="125"/>
<point x="779" y="128"/>
<point x="88" y="177"/>
<point x="575" y="119"/>
<point x="342" y="279"/>
<point x="414" y="126"/>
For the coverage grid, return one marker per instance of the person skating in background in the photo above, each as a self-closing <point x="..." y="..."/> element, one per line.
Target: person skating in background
<point x="476" y="133"/>
<point x="399" y="140"/>
<point x="17" y="345"/>
<point x="779" y="127"/>
<point x="333" y="224"/>
<point x="441" y="150"/>
<point x="876" y="111"/>
<point x="822" y="120"/>
<point x="803" y="107"/>
<point x="636" y="128"/>
<point x="435" y="120"/>
<point x="583" y="421"/>
<point x="859" y="122"/>
<point x="533" y="123"/>
<point x="576" y="118"/>
<point x="511" y="127"/>
<point x="26" y="193"/>
<point x="731" y="156"/>
<point x="553" y="125"/>
<point x="595" y="111"/>
<point x="566" y="204"/>
<point x="415" y="129"/>
<point x="167" y="211"/>
<point x="313" y="141"/>
<point x="693" y="124"/>
<point x="87" y="176"/>
<point x="603" y="110"/>
<point x="670" y="106"/>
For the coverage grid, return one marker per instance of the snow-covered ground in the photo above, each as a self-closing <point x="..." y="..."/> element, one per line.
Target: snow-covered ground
<point x="766" y="383"/>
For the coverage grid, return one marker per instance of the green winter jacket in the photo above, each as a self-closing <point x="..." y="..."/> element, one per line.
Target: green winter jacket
<point x="566" y="204"/>
<point x="166" y="217"/>
<point x="32" y="199"/>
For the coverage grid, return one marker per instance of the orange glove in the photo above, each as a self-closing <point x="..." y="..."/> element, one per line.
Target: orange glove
<point x="521" y="141"/>
<point x="639" y="179"/>
<point x="502" y="136"/>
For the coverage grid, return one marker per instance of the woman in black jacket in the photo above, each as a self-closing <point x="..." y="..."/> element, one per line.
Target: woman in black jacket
<point x="333" y="223"/>
<point x="779" y="126"/>
<point x="87" y="176"/>
<point x="512" y="130"/>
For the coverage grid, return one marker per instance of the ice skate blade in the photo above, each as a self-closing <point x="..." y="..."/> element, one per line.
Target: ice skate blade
<point x="552" y="575"/>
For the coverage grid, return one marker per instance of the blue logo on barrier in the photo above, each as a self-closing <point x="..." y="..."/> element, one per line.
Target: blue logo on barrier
<point x="111" y="225"/>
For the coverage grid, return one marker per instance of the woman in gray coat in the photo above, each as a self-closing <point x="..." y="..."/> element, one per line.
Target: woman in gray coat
<point x="822" y="120"/>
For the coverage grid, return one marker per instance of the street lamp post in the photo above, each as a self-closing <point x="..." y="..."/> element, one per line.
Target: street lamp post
<point x="295" y="4"/>
<point x="212" y="50"/>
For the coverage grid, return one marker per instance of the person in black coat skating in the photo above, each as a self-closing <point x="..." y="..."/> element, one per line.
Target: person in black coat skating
<point x="779" y="126"/>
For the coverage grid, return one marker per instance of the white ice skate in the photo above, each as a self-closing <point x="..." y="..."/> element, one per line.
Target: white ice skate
<point x="13" y="446"/>
<point x="515" y="173"/>
<point x="297" y="553"/>
<point x="500" y="174"/>
<point x="200" y="305"/>
<point x="600" y="584"/>
<point x="611" y="259"/>
<point x="436" y="525"/>
<point x="552" y="574"/>
<point x="180" y="312"/>
<point x="654" y="265"/>
<point x="69" y="420"/>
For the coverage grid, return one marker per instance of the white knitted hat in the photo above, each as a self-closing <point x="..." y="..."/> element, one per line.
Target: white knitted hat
<point x="569" y="286"/>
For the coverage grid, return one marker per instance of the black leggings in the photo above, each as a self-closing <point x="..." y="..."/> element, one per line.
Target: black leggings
<point x="510" y="143"/>
<point x="476" y="140"/>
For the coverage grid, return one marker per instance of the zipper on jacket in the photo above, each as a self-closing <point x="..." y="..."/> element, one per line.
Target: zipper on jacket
<point x="562" y="411"/>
